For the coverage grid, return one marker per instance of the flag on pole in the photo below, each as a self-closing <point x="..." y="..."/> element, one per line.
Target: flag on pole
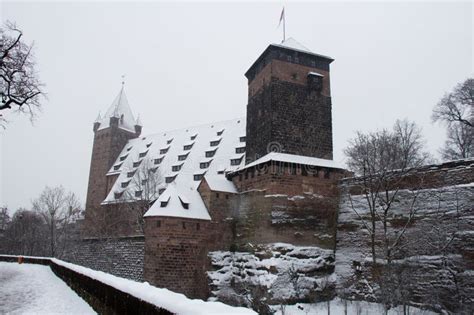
<point x="282" y="17"/>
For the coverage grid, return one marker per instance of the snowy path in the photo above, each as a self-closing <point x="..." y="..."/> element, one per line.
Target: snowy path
<point x="35" y="289"/>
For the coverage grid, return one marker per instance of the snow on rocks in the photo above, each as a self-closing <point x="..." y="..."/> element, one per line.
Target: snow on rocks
<point x="287" y="272"/>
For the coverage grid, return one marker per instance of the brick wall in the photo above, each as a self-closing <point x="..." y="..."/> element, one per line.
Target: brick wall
<point x="122" y="257"/>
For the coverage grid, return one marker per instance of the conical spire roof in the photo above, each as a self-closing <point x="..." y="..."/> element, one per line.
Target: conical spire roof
<point x="119" y="109"/>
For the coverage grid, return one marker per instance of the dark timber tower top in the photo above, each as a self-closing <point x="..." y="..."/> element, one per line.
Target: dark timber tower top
<point x="289" y="102"/>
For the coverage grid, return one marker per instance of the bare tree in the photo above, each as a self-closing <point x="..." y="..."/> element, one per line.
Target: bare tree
<point x="459" y="143"/>
<point x="383" y="159"/>
<point x="58" y="209"/>
<point x="4" y="218"/>
<point x="26" y="234"/>
<point x="20" y="87"/>
<point x="456" y="110"/>
<point x="142" y="190"/>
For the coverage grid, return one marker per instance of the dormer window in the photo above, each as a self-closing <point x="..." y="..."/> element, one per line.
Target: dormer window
<point x="188" y="146"/>
<point x="137" y="164"/>
<point x="198" y="177"/>
<point x="164" y="201"/>
<point x="220" y="132"/>
<point x="176" y="168"/>
<point x="215" y="143"/>
<point x="170" y="179"/>
<point x="240" y="150"/>
<point x="153" y="170"/>
<point x="184" y="202"/>
<point x="161" y="190"/>
<point x="159" y="160"/>
<point x="182" y="157"/>
<point x="211" y="153"/>
<point x="144" y="181"/>
<point x="235" y="161"/>
<point x="142" y="154"/>
<point x="129" y="148"/>
<point x="203" y="165"/>
<point x="149" y="144"/>
<point x="193" y="137"/>
<point x="243" y="139"/>
<point x="169" y="141"/>
<point x="138" y="193"/>
<point x="125" y="184"/>
<point x="123" y="157"/>
<point x="130" y="174"/>
<point x="118" y="195"/>
<point x="164" y="150"/>
<point x="117" y="167"/>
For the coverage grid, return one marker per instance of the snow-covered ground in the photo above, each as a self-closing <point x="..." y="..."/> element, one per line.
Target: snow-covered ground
<point x="338" y="306"/>
<point x="35" y="289"/>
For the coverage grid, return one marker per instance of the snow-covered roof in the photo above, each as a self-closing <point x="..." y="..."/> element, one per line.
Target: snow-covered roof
<point x="291" y="43"/>
<point x="220" y="183"/>
<point x="295" y="159"/>
<point x="121" y="110"/>
<point x="194" y="165"/>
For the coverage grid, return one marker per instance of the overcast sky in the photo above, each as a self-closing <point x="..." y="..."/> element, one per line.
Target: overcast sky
<point x="185" y="63"/>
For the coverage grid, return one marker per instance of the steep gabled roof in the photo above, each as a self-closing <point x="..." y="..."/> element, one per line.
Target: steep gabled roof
<point x="121" y="110"/>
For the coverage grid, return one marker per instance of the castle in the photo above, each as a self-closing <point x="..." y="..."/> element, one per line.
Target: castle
<point x="204" y="177"/>
<point x="264" y="184"/>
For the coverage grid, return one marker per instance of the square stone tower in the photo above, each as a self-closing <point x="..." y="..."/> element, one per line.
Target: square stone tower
<point x="289" y="103"/>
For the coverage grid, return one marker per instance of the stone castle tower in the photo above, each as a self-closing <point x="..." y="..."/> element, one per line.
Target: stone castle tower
<point x="289" y="103"/>
<point x="111" y="133"/>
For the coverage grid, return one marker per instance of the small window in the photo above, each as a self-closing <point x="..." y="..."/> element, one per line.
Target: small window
<point x="227" y="196"/>
<point x="130" y="174"/>
<point x="164" y="151"/>
<point x="158" y="161"/>
<point x="217" y="195"/>
<point x="243" y="139"/>
<point x="129" y="148"/>
<point x="161" y="190"/>
<point x="313" y="63"/>
<point x="169" y="141"/>
<point x="184" y="225"/>
<point x="240" y="150"/>
<point x="188" y="147"/>
<point x="210" y="153"/>
<point x="221" y="172"/>
<point x="149" y="144"/>
<point x="288" y="58"/>
<point x="117" y="167"/>
<point x="124" y="184"/>
<point x="122" y="158"/>
<point x="138" y="193"/>
<point x="198" y="226"/>
<point x="182" y="157"/>
<point x="142" y="154"/>
<point x="203" y="165"/>
<point x="220" y="132"/>
<point x="193" y="137"/>
<point x="176" y="168"/>
<point x="144" y="181"/>
<point x="118" y="195"/>
<point x="137" y="164"/>
<point x="198" y="176"/>
<point x="158" y="223"/>
<point x="153" y="170"/>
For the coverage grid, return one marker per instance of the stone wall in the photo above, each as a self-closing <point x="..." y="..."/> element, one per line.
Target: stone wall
<point x="434" y="261"/>
<point x="122" y="257"/>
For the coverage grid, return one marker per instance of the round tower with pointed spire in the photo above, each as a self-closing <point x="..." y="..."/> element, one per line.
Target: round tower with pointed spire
<point x="112" y="131"/>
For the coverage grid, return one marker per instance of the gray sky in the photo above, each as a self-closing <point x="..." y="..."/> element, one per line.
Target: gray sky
<point x="185" y="65"/>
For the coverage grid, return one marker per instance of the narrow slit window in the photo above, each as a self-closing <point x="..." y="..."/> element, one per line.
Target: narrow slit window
<point x="240" y="150"/>
<point x="122" y="158"/>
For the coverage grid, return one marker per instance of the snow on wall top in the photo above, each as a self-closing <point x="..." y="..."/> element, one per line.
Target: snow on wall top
<point x="290" y="158"/>
<point x="291" y="43"/>
<point x="121" y="110"/>
<point x="181" y="157"/>
<point x="176" y="303"/>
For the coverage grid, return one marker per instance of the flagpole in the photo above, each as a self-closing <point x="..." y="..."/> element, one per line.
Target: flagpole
<point x="284" y="22"/>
